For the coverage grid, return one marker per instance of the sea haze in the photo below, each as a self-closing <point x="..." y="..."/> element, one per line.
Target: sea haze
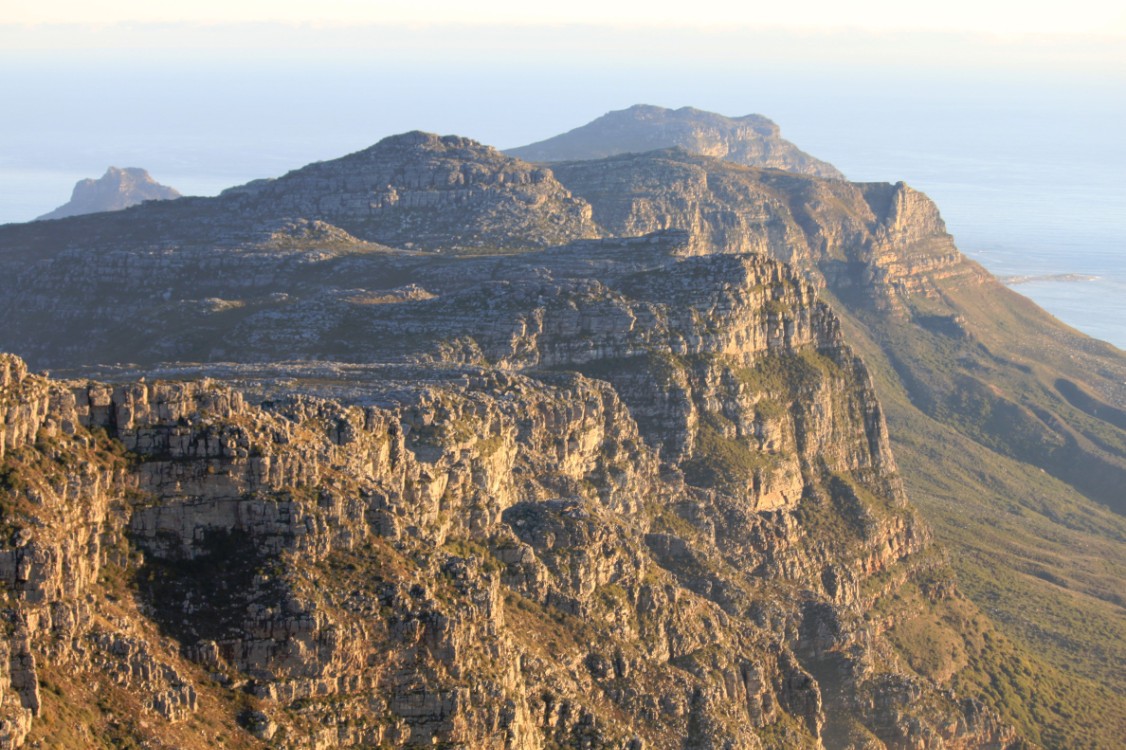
<point x="1027" y="173"/>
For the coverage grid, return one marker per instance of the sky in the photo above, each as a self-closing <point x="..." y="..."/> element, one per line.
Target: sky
<point x="177" y="86"/>
<point x="86" y="77"/>
<point x="991" y="16"/>
<point x="1034" y="36"/>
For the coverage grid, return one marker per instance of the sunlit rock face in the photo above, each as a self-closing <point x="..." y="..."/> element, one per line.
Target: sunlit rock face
<point x="638" y="511"/>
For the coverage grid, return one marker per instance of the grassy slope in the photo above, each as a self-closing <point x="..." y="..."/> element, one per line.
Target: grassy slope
<point x="1046" y="562"/>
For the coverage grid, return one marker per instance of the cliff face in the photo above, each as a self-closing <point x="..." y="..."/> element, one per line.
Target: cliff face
<point x="1008" y="420"/>
<point x="752" y="140"/>
<point x="113" y="191"/>
<point x="683" y="551"/>
<point x="883" y="241"/>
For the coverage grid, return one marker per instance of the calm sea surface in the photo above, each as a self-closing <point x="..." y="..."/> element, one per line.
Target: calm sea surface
<point x="1029" y="176"/>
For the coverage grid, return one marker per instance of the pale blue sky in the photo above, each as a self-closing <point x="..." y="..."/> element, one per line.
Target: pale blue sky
<point x="993" y="16"/>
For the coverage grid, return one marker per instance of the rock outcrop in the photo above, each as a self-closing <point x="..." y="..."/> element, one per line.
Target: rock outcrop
<point x="113" y="191"/>
<point x="752" y="140"/>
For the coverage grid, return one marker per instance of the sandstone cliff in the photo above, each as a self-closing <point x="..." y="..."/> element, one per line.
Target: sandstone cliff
<point x="479" y="546"/>
<point x="882" y="240"/>
<point x="113" y="191"/>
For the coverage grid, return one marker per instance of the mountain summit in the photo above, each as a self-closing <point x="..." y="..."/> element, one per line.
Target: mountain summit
<point x="419" y="190"/>
<point x="113" y="191"/>
<point x="752" y="140"/>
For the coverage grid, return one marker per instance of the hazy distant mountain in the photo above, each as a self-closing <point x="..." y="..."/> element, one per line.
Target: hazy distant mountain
<point x="752" y="140"/>
<point x="113" y="191"/>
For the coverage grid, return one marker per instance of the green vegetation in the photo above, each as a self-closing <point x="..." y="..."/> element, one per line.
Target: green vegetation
<point x="788" y="373"/>
<point x="785" y="733"/>
<point x="721" y="461"/>
<point x="1042" y="560"/>
<point x="471" y="549"/>
<point x="1051" y="708"/>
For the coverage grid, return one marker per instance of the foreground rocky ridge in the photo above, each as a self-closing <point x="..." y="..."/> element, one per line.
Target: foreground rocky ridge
<point x="447" y="551"/>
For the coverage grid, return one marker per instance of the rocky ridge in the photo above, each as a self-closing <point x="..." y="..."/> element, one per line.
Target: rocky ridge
<point x="228" y="272"/>
<point x="885" y="241"/>
<point x="419" y="189"/>
<point x="113" y="191"/>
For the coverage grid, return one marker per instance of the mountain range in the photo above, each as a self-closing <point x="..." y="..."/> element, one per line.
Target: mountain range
<point x="675" y="438"/>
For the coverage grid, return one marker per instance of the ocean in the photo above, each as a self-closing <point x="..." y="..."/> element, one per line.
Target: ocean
<point x="1028" y="174"/>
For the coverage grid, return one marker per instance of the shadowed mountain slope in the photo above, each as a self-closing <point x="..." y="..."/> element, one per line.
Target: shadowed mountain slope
<point x="410" y="190"/>
<point x="423" y="190"/>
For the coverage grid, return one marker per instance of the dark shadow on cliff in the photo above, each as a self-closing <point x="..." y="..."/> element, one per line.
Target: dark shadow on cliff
<point x="206" y="596"/>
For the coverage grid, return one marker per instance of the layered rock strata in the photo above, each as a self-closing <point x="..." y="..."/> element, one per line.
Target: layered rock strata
<point x="648" y="510"/>
<point x="876" y="241"/>
<point x="419" y="189"/>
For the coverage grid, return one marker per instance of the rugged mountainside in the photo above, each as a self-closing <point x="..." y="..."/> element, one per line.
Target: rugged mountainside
<point x="752" y="140"/>
<point x="1011" y="423"/>
<point x="882" y="251"/>
<point x="414" y="190"/>
<point x="887" y="240"/>
<point x="113" y="191"/>
<point x="541" y="497"/>
<point x="681" y="526"/>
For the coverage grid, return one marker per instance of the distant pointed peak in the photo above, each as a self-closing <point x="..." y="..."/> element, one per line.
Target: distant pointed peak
<point x="118" y="188"/>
